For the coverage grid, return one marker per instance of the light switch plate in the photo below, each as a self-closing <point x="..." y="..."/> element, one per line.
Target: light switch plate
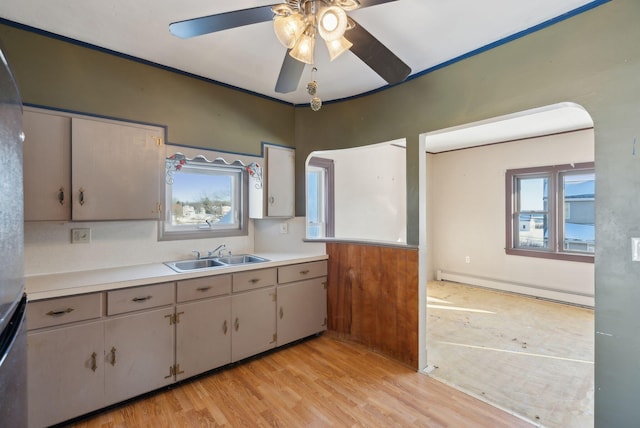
<point x="635" y="249"/>
<point x="80" y="236"/>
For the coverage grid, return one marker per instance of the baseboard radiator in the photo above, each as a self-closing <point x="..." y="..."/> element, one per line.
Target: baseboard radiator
<point x="517" y="287"/>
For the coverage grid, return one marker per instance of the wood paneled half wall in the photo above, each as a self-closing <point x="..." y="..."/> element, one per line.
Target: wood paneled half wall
<point x="373" y="298"/>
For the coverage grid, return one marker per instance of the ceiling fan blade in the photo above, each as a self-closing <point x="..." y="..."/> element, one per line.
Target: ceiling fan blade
<point x="367" y="3"/>
<point x="221" y="21"/>
<point x="290" y="74"/>
<point x="377" y="56"/>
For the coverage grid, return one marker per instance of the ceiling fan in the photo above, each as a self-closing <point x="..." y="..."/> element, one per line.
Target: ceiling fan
<point x="296" y="23"/>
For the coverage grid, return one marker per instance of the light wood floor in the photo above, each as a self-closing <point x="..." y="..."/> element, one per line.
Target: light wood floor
<point x="317" y="383"/>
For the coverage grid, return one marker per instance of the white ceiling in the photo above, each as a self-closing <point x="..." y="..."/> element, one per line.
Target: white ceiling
<point x="423" y="33"/>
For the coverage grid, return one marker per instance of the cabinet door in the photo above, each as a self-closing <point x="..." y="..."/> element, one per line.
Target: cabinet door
<point x="66" y="373"/>
<point x="203" y="336"/>
<point x="302" y="309"/>
<point x="253" y="316"/>
<point x="139" y="353"/>
<point x="280" y="181"/>
<point x="47" y="166"/>
<point x="116" y="171"/>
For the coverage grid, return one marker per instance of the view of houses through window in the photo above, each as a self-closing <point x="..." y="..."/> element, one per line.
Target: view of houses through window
<point x="203" y="200"/>
<point x="551" y="211"/>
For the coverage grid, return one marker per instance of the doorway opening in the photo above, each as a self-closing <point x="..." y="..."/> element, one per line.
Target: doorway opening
<point x="489" y="313"/>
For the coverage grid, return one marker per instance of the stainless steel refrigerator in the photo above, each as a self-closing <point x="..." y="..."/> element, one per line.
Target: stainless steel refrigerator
<point x="13" y="339"/>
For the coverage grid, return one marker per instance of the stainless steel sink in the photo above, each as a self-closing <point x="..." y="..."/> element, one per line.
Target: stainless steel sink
<point x="214" y="262"/>
<point x="240" y="259"/>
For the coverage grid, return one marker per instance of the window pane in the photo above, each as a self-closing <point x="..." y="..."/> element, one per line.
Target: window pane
<point x="315" y="202"/>
<point x="533" y="231"/>
<point x="205" y="197"/>
<point x="533" y="194"/>
<point x="579" y="212"/>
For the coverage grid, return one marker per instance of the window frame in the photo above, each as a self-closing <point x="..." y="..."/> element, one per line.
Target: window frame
<point x="328" y="202"/>
<point x="198" y="231"/>
<point x="555" y="209"/>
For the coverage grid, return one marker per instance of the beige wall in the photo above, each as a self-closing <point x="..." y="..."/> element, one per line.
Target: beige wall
<point x="468" y="215"/>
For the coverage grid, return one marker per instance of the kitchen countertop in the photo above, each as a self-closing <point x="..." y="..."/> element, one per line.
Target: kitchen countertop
<point x="49" y="286"/>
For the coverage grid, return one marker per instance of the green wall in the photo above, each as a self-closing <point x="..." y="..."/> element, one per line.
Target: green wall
<point x="62" y="75"/>
<point x="592" y="59"/>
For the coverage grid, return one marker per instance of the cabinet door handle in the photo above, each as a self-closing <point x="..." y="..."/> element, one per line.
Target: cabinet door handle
<point x="81" y="196"/>
<point x="113" y="356"/>
<point x="281" y="312"/>
<point x="272" y="200"/>
<point x="236" y="324"/>
<point x="203" y="289"/>
<point x="141" y="299"/>
<point x="224" y="327"/>
<point x="61" y="195"/>
<point x="59" y="313"/>
<point x="94" y="363"/>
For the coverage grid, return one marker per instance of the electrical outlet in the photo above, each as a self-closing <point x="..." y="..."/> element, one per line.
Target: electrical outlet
<point x="635" y="249"/>
<point x="467" y="259"/>
<point x="80" y="236"/>
<point x="284" y="227"/>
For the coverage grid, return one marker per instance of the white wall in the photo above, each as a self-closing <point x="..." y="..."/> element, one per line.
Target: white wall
<point x="370" y="193"/>
<point x="467" y="217"/>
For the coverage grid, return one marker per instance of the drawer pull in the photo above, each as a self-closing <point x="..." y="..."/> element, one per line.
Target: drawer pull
<point x="141" y="299"/>
<point x="254" y="280"/>
<point x="224" y="327"/>
<point x="113" y="356"/>
<point x="203" y="289"/>
<point x="304" y="272"/>
<point x="94" y="364"/>
<point x="59" y="313"/>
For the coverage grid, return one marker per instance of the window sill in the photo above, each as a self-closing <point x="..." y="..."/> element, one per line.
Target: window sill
<point x="570" y="257"/>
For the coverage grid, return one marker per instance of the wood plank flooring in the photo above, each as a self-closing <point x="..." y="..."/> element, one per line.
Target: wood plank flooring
<point x="317" y="383"/>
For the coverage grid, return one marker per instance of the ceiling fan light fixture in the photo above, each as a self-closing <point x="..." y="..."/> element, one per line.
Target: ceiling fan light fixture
<point x="303" y="48"/>
<point x="338" y="47"/>
<point x="332" y="22"/>
<point x="288" y="28"/>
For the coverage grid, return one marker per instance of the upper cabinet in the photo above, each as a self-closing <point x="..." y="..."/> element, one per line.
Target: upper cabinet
<point x="47" y="172"/>
<point x="273" y="194"/>
<point x="78" y="168"/>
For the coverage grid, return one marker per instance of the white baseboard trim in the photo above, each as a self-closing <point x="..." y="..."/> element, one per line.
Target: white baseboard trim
<point x="520" y="288"/>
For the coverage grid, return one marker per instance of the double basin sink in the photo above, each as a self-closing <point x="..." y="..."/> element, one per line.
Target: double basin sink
<point x="213" y="262"/>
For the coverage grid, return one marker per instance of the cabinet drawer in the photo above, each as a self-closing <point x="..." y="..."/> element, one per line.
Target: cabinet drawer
<point x="63" y="310"/>
<point x="199" y="288"/>
<point x="253" y="279"/>
<point x="137" y="298"/>
<point x="302" y="271"/>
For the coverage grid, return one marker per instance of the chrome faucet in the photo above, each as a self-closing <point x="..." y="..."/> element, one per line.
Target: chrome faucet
<point x="197" y="253"/>
<point x="217" y="250"/>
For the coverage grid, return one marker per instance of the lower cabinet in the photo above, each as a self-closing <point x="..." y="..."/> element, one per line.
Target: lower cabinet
<point x="203" y="336"/>
<point x="302" y="309"/>
<point x="65" y="373"/>
<point x="139" y="353"/>
<point x="254" y="322"/>
<point x="89" y="351"/>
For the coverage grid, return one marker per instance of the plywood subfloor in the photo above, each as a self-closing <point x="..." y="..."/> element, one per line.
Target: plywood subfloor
<point x="322" y="382"/>
<point x="530" y="356"/>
